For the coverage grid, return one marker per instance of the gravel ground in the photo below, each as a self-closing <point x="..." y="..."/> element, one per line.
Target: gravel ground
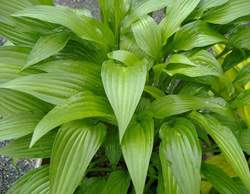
<point x="8" y="173"/>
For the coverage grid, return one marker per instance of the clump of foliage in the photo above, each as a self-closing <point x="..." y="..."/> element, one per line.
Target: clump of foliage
<point x="127" y="105"/>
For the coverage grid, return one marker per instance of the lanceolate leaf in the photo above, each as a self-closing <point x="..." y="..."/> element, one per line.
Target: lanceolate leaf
<point x="55" y="87"/>
<point x="93" y="185"/>
<point x="48" y="45"/>
<point x="118" y="183"/>
<point x="112" y="147"/>
<point x="243" y="140"/>
<point x="141" y="9"/>
<point x="126" y="57"/>
<point x="124" y="87"/>
<point x="20" y="147"/>
<point x="74" y="147"/>
<point x="243" y="76"/>
<point x="137" y="146"/>
<point x="196" y="34"/>
<point x="19" y="124"/>
<point x="148" y="36"/>
<point x="12" y="102"/>
<point x="154" y="92"/>
<point x="82" y="105"/>
<point x="35" y="181"/>
<point x="227" y="12"/>
<point x="227" y="143"/>
<point x="219" y="179"/>
<point x="241" y="39"/>
<point x="70" y="19"/>
<point x="175" y="16"/>
<point x="176" y="104"/>
<point x="170" y="183"/>
<point x="242" y="100"/>
<point x="181" y="149"/>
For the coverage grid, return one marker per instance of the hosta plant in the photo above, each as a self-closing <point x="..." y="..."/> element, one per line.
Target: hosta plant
<point x="128" y="105"/>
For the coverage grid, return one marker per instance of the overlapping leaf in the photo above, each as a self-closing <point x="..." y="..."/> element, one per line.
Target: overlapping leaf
<point x="55" y="87"/>
<point x="243" y="76"/>
<point x="137" y="146"/>
<point x="93" y="30"/>
<point x="35" y="181"/>
<point x="227" y="143"/>
<point x="175" y="16"/>
<point x="181" y="149"/>
<point x="19" y="124"/>
<point x="126" y="57"/>
<point x="196" y="34"/>
<point x="74" y="147"/>
<point x="79" y="106"/>
<point x="92" y="185"/>
<point x="124" y="87"/>
<point x="20" y="147"/>
<point x="242" y="100"/>
<point x="176" y="104"/>
<point x="118" y="183"/>
<point x="243" y="139"/>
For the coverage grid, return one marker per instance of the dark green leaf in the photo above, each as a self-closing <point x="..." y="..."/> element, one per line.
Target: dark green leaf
<point x="82" y="105"/>
<point x="181" y="149"/>
<point x="20" y="147"/>
<point x="92" y="185"/>
<point x="74" y="147"/>
<point x="242" y="100"/>
<point x="124" y="87"/>
<point x="118" y="183"/>
<point x="243" y="76"/>
<point x="137" y="146"/>
<point x="241" y="38"/>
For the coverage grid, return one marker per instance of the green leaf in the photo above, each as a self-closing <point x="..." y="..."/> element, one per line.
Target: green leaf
<point x="35" y="181"/>
<point x="242" y="100"/>
<point x="124" y="87"/>
<point x="196" y="34"/>
<point x="79" y="106"/>
<point x="19" y="124"/>
<point x="20" y="147"/>
<point x="112" y="147"/>
<point x="243" y="140"/>
<point x="141" y="9"/>
<point x="241" y="38"/>
<point x="177" y="13"/>
<point x="55" y="88"/>
<point x="170" y="183"/>
<point x="126" y="57"/>
<point x="143" y="105"/>
<point x="92" y="185"/>
<point x="227" y="12"/>
<point x="67" y="17"/>
<point x="243" y="76"/>
<point x="154" y="92"/>
<point x="70" y="66"/>
<point x="207" y="4"/>
<point x="74" y="147"/>
<point x="137" y="146"/>
<point x="234" y="58"/>
<point x="176" y="104"/>
<point x="12" y="102"/>
<point x="48" y="45"/>
<point x="227" y="143"/>
<point x="181" y="149"/>
<point x="148" y="36"/>
<point x="219" y="179"/>
<point x="118" y="183"/>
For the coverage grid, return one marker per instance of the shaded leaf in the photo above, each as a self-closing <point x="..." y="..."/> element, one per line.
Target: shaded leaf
<point x="181" y="149"/>
<point x="124" y="87"/>
<point x="176" y="104"/>
<point x="137" y="146"/>
<point x="242" y="100"/>
<point x="20" y="147"/>
<point x="47" y="45"/>
<point x="227" y="12"/>
<point x="176" y="15"/>
<point x="241" y="38"/>
<point x="196" y="34"/>
<point x="227" y="143"/>
<point x="243" y="140"/>
<point x="79" y="106"/>
<point x="20" y="124"/>
<point x="76" y="143"/>
<point x="118" y="183"/>
<point x="55" y="87"/>
<point x="92" y="185"/>
<point x="243" y="76"/>
<point x="35" y="181"/>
